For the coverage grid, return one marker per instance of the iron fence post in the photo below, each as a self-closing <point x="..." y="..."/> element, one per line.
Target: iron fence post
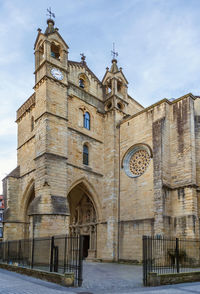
<point x="4" y="251"/>
<point x="55" y="260"/>
<point x="80" y="265"/>
<point x="177" y="255"/>
<point x="51" y="254"/>
<point x="144" y="259"/>
<point x="32" y="253"/>
<point x="18" y="253"/>
<point x="65" y="248"/>
<point x="8" y="253"/>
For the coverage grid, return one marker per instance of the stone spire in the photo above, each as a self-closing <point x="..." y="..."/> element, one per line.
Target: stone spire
<point x="50" y="28"/>
<point x="114" y="67"/>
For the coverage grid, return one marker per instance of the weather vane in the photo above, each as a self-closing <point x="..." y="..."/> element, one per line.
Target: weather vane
<point x="50" y="14"/>
<point x="113" y="52"/>
<point x="83" y="57"/>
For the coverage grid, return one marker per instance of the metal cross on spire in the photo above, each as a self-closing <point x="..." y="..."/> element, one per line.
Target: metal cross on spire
<point x="113" y="52"/>
<point x="83" y="57"/>
<point x="50" y="14"/>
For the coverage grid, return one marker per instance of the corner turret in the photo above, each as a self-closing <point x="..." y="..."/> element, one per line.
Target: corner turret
<point x="115" y="85"/>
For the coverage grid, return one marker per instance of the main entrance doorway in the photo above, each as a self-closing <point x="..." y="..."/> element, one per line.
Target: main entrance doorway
<point x="83" y="219"/>
<point x="86" y="245"/>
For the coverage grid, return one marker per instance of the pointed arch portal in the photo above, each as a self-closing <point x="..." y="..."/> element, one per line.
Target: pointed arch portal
<point x="83" y="218"/>
<point x="28" y="197"/>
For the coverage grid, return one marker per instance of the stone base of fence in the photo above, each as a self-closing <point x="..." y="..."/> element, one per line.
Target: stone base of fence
<point x="155" y="279"/>
<point x="66" y="279"/>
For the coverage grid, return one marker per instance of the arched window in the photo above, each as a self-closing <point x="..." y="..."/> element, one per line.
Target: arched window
<point x="108" y="87"/>
<point x="86" y="120"/>
<point x="85" y="155"/>
<point x="41" y="52"/>
<point x="55" y="51"/>
<point x="81" y="83"/>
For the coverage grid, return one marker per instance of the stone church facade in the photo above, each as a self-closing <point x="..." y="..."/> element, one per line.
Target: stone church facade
<point x="92" y="160"/>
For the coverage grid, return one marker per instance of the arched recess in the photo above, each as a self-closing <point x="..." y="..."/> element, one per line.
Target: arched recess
<point x="83" y="81"/>
<point x="91" y="191"/>
<point x="28" y="197"/>
<point x="84" y="215"/>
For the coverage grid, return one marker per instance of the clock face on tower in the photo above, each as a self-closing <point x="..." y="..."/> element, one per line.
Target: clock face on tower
<point x="57" y="74"/>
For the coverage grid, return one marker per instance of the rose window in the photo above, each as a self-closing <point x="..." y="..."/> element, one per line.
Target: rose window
<point x="139" y="162"/>
<point x="136" y="161"/>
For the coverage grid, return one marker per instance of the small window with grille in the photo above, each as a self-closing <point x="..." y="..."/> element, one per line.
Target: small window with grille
<point x="86" y="120"/>
<point x="85" y="155"/>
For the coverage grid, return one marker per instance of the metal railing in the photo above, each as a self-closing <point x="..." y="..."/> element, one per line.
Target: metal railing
<point x="169" y="255"/>
<point x="54" y="254"/>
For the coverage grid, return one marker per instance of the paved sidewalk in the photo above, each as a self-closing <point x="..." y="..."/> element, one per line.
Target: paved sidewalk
<point x="111" y="276"/>
<point x="13" y="283"/>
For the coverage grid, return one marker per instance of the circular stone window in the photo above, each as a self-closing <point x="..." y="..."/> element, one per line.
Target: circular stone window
<point x="136" y="161"/>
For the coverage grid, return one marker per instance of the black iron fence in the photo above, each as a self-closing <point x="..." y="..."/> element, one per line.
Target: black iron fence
<point x="54" y="254"/>
<point x="169" y="255"/>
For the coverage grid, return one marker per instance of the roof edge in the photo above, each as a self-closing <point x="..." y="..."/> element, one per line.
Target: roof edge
<point x="158" y="103"/>
<point x="15" y="173"/>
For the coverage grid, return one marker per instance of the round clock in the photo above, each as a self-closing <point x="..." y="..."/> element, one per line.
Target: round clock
<point x="57" y="74"/>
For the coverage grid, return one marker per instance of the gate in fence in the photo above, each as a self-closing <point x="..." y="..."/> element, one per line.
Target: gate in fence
<point x="54" y="254"/>
<point x="169" y="255"/>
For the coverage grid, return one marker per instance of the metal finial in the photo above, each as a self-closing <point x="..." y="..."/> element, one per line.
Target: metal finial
<point x="50" y="14"/>
<point x="82" y="57"/>
<point x="113" y="52"/>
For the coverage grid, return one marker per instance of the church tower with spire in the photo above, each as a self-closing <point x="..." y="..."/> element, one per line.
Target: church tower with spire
<point x="50" y="128"/>
<point x="42" y="145"/>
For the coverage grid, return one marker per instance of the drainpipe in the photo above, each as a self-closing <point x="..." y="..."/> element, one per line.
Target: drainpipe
<point x="118" y="212"/>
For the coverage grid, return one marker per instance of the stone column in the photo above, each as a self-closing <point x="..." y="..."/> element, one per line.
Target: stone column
<point x="158" y="129"/>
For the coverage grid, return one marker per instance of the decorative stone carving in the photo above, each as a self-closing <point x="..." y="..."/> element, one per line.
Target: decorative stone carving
<point x="139" y="162"/>
<point x="83" y="221"/>
<point x="136" y="161"/>
<point x="84" y="213"/>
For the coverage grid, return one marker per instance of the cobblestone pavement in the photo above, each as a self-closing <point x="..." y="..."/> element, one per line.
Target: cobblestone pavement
<point x="100" y="281"/>
<point x="111" y="276"/>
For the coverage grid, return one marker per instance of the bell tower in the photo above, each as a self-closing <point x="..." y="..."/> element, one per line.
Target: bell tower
<point x="49" y="210"/>
<point x="115" y="85"/>
<point x="50" y="51"/>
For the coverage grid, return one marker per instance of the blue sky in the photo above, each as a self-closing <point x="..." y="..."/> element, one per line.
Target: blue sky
<point x="158" y="42"/>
